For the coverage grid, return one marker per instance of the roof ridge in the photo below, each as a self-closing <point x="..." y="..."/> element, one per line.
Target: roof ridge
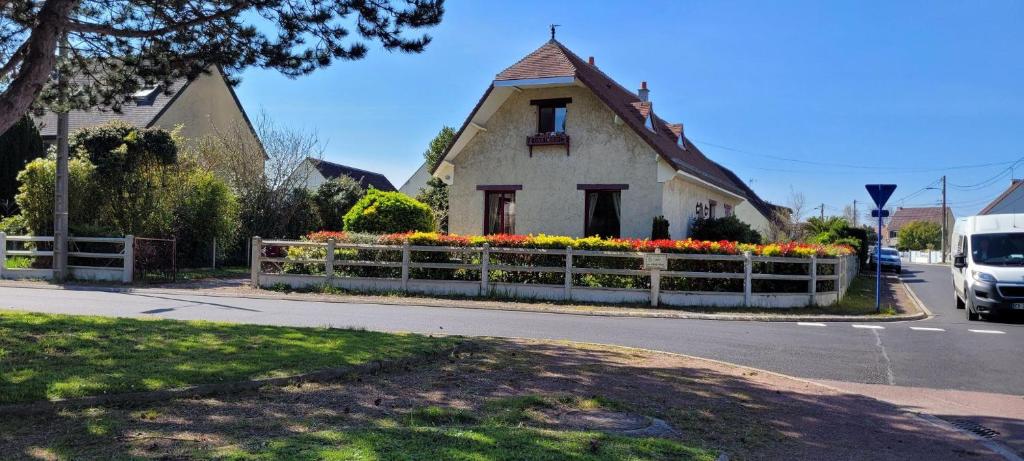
<point x="345" y="166"/>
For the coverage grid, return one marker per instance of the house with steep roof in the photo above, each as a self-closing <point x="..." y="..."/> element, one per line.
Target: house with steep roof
<point x="200" y="107"/>
<point x="1009" y="202"/>
<point x="903" y="216"/>
<point x="314" y="172"/>
<point x="556" y="146"/>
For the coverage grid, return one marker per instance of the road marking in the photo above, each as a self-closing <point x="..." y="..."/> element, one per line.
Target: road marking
<point x="991" y="332"/>
<point x="927" y="329"/>
<point x="870" y="327"/>
<point x="810" y="324"/>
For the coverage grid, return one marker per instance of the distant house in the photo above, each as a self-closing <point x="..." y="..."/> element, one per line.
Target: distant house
<point x="201" y="107"/>
<point x="903" y="216"/>
<point x="314" y="172"/>
<point x="556" y="146"/>
<point x="417" y="181"/>
<point x="1010" y="201"/>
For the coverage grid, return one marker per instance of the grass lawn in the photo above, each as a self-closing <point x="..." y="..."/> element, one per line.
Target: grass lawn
<point x="504" y="428"/>
<point x="201" y="273"/>
<point x="59" y="356"/>
<point x="860" y="298"/>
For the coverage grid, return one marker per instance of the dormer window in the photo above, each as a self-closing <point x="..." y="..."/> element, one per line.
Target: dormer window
<point x="551" y="114"/>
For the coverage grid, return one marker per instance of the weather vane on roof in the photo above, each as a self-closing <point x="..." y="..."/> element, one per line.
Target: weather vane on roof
<point x="553" y="26"/>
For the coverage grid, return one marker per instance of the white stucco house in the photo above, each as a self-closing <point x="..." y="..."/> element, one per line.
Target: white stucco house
<point x="416" y="182"/>
<point x="556" y="146"/>
<point x="200" y="107"/>
<point x="312" y="172"/>
<point x="1009" y="202"/>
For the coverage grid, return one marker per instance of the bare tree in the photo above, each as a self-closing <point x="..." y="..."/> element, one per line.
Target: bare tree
<point x="265" y="172"/>
<point x="797" y="204"/>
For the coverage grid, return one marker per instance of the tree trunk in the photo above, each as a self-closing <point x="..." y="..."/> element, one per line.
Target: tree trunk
<point x="39" y="61"/>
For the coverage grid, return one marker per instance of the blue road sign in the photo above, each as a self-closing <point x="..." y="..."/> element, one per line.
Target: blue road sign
<point x="880" y="193"/>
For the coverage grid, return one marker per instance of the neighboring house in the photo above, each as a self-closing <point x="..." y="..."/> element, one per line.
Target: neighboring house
<point x="201" y="106"/>
<point x="313" y="172"/>
<point x="1010" y="201"/>
<point x="555" y="146"/>
<point x="903" y="216"/>
<point x="417" y="181"/>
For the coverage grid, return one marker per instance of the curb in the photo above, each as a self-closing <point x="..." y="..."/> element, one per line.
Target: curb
<point x="621" y="312"/>
<point x="204" y="390"/>
<point x="917" y="301"/>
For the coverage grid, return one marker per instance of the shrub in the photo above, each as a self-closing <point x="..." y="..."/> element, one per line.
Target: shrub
<point x="35" y="194"/>
<point x="304" y="217"/>
<point x="384" y="212"/>
<point x="334" y="198"/>
<point x="204" y="211"/>
<point x="659" y="229"/>
<point x="727" y="228"/>
<point x="14" y="225"/>
<point x="920" y="235"/>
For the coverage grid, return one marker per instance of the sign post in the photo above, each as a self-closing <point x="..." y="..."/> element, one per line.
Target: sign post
<point x="880" y="193"/>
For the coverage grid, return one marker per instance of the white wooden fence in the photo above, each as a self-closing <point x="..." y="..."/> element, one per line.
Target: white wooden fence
<point x="115" y="264"/>
<point x="268" y="272"/>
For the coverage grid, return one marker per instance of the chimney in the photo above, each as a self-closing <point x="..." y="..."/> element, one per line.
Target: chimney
<point x="590" y="60"/>
<point x="643" y="92"/>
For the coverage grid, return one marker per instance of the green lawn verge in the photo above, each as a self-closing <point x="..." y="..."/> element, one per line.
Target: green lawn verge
<point x="45" y="356"/>
<point x="860" y="299"/>
<point x="506" y="429"/>
<point x="202" y="273"/>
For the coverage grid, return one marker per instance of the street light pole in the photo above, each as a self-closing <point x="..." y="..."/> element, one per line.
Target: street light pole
<point x="60" y="199"/>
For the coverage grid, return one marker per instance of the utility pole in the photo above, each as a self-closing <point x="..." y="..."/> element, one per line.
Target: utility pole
<point x="944" y="243"/>
<point x="60" y="199"/>
<point x="854" y="213"/>
<point x="822" y="209"/>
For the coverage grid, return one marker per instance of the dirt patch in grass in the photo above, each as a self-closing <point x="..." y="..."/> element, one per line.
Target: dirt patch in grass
<point x="505" y="401"/>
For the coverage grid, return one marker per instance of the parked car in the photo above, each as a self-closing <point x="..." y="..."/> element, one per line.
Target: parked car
<point x="988" y="264"/>
<point x="890" y="260"/>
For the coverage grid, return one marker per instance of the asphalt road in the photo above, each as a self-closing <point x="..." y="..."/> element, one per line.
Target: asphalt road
<point x="940" y="353"/>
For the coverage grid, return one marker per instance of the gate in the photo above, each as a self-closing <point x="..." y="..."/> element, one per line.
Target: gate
<point x="155" y="259"/>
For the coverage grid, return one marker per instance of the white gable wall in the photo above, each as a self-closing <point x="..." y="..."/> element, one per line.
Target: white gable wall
<point x="1011" y="204"/>
<point x="549" y="202"/>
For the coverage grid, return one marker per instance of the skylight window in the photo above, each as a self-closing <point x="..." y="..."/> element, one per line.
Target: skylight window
<point x="146" y="95"/>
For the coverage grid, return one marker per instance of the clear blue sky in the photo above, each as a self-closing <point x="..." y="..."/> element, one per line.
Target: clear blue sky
<point x="894" y="90"/>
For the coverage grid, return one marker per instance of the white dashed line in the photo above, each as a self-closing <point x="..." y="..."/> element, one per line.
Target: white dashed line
<point x="991" y="332"/>
<point x="927" y="329"/>
<point x="810" y="324"/>
<point x="869" y="327"/>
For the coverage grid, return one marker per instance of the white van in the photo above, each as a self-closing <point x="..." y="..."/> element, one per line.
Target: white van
<point x="988" y="264"/>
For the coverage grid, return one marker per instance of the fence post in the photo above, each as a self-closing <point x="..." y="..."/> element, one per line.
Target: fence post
<point x="213" y="255"/>
<point x="329" y="262"/>
<point x="3" y="253"/>
<point x="812" y="285"/>
<point x="840" y="273"/>
<point x="485" y="265"/>
<point x="568" y="273"/>
<point x="748" y="283"/>
<point x="128" y="263"/>
<point x="655" y="283"/>
<point x="406" y="256"/>
<point x="256" y="250"/>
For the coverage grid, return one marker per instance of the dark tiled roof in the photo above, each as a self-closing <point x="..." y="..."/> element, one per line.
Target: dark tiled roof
<point x="904" y="216"/>
<point x="138" y="114"/>
<point x="555" y="60"/>
<point x="366" y="179"/>
<point x="1016" y="184"/>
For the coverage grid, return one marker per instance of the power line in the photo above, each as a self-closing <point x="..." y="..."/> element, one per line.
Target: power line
<point x="847" y="165"/>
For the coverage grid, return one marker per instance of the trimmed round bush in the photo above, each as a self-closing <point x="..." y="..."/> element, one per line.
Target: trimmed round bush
<point x="387" y="212"/>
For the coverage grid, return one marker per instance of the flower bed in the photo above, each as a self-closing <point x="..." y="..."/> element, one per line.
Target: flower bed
<point x="501" y="263"/>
